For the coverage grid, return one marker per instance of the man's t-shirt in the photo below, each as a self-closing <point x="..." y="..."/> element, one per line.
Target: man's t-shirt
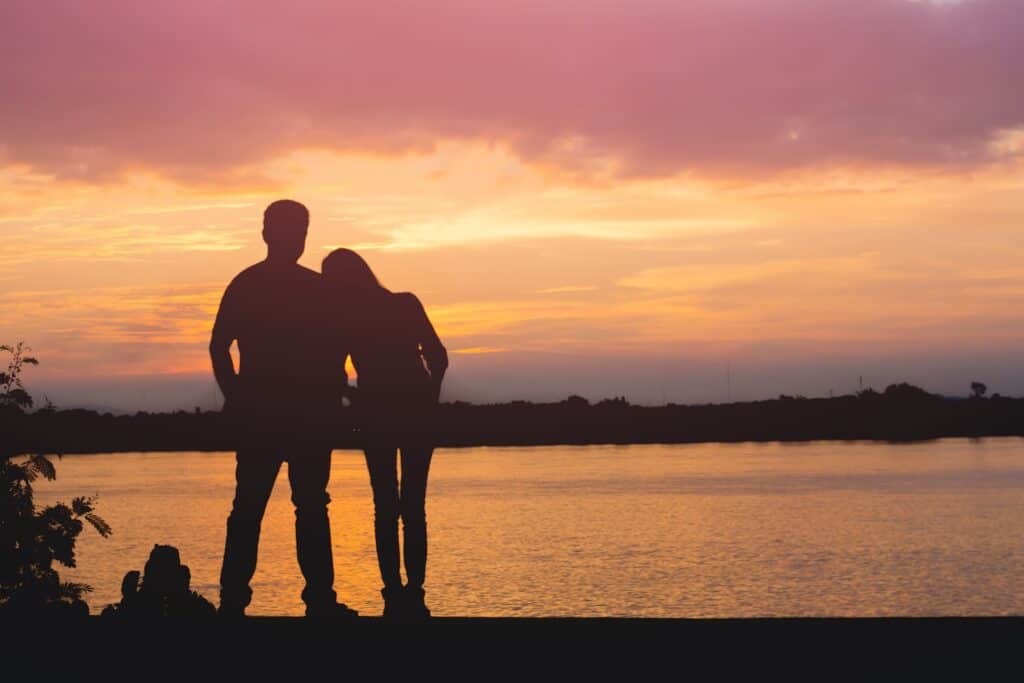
<point x="287" y="366"/>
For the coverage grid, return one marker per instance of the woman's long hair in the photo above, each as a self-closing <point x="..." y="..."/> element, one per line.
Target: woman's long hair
<point x="346" y="269"/>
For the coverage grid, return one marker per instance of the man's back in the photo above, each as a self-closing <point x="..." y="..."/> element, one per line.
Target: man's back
<point x="276" y="401"/>
<point x="275" y="312"/>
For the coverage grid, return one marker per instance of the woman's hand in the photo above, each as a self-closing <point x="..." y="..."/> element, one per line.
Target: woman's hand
<point x="350" y="392"/>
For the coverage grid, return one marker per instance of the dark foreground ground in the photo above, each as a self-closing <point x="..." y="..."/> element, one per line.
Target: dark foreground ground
<point x="258" y="648"/>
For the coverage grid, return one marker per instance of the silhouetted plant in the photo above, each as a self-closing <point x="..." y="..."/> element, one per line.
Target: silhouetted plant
<point x="978" y="390"/>
<point x="32" y="540"/>
<point x="13" y="396"/>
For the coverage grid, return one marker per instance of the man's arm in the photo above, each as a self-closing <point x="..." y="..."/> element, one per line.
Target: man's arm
<point x="224" y="334"/>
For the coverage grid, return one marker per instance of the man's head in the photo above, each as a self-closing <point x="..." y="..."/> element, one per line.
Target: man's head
<point x="284" y="229"/>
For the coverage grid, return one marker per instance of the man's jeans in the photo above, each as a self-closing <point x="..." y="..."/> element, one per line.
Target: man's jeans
<point x="255" y="472"/>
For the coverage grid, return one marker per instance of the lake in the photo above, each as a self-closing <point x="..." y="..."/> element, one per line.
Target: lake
<point x="704" y="530"/>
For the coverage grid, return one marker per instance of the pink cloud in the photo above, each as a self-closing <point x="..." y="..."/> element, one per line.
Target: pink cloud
<point x="200" y="90"/>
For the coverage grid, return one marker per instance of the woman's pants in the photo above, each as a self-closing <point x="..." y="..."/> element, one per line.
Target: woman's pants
<point x="407" y="500"/>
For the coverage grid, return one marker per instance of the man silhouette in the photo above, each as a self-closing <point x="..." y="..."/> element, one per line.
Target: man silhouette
<point x="276" y="404"/>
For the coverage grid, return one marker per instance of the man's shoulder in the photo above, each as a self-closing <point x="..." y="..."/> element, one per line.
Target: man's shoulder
<point x="248" y="274"/>
<point x="263" y="278"/>
<point x="308" y="272"/>
<point x="262" y="272"/>
<point x="243" y="281"/>
<point x="309" y="275"/>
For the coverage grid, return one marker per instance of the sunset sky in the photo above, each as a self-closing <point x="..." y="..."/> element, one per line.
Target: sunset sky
<point x="671" y="201"/>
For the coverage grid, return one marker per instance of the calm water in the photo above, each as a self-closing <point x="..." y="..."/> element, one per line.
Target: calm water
<point x="682" y="531"/>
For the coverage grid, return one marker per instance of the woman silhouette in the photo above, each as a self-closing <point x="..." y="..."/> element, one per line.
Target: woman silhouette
<point x="400" y="363"/>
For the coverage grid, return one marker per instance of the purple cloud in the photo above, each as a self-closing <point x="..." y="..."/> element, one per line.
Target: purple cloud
<point x="207" y="90"/>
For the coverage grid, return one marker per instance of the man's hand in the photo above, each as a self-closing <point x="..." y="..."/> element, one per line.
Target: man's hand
<point x="224" y="371"/>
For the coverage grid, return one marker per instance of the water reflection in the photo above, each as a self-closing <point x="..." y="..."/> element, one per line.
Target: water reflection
<point x="696" y="530"/>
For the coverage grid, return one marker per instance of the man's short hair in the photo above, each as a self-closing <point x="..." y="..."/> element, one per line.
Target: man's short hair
<point x="285" y="217"/>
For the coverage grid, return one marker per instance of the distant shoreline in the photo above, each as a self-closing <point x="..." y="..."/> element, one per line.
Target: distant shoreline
<point x="902" y="413"/>
<point x="892" y="442"/>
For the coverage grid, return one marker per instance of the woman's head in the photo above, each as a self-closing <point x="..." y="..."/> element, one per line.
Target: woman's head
<point x="345" y="269"/>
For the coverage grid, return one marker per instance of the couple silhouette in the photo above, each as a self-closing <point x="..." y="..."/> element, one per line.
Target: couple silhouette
<point x="295" y="328"/>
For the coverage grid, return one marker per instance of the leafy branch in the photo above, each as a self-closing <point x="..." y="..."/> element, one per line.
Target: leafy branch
<point x="33" y="540"/>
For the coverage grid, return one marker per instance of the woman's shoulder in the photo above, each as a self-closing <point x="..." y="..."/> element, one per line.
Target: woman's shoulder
<point x="408" y="307"/>
<point x="407" y="300"/>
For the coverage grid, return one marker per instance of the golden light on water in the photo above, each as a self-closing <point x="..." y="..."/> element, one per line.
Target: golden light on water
<point x="709" y="530"/>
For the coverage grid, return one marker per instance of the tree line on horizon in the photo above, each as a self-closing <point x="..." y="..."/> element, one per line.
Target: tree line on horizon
<point x="898" y="413"/>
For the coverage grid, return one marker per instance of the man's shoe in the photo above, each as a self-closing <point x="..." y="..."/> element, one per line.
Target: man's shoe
<point x="229" y="611"/>
<point x="334" y="610"/>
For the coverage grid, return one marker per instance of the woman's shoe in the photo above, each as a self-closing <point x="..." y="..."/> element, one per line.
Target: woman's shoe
<point x="414" y="608"/>
<point x="393" y="598"/>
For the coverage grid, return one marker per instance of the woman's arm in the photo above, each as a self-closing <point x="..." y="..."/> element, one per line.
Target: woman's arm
<point x="433" y="351"/>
